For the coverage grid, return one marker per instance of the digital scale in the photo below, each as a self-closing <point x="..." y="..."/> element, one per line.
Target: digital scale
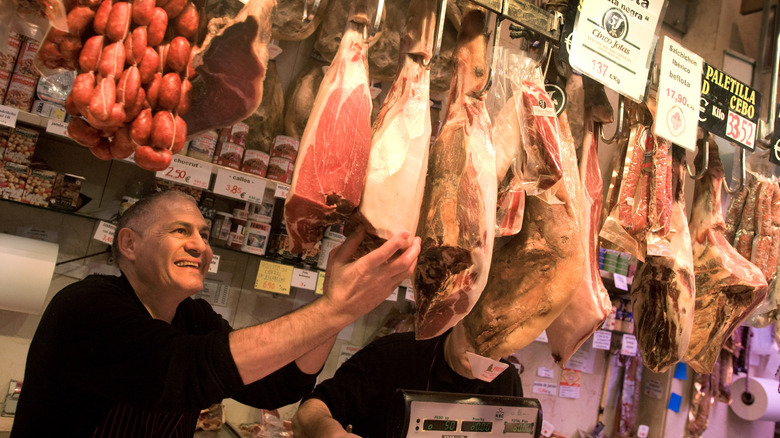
<point x="448" y="415"/>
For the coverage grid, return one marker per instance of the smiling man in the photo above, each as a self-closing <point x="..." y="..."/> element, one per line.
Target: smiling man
<point x="136" y="356"/>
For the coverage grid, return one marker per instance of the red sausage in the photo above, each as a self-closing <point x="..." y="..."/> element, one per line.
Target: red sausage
<point x="186" y="24"/>
<point x="83" y="86"/>
<point x="185" y="97"/>
<point x="103" y="98"/>
<point x="149" y="65"/>
<point x="163" y="130"/>
<point x="128" y="86"/>
<point x="90" y="53"/>
<point x="152" y="158"/>
<point x="85" y="135"/>
<point x="102" y="150"/>
<point x="79" y="19"/>
<point x="121" y="145"/>
<point x="101" y="16"/>
<point x="143" y="11"/>
<point x="180" y="134"/>
<point x="178" y="54"/>
<point x="141" y="128"/>
<point x="153" y="90"/>
<point x="118" y="24"/>
<point x="169" y="91"/>
<point x="156" y="28"/>
<point x="112" y="61"/>
<point x="133" y="109"/>
<point x="174" y="7"/>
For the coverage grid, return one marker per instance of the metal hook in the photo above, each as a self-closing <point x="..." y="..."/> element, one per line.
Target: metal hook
<point x="619" y="124"/>
<point x="494" y="56"/>
<point x="741" y="174"/>
<point x="441" y="11"/>
<point x="308" y="17"/>
<point x="378" y="18"/>
<point x="706" y="161"/>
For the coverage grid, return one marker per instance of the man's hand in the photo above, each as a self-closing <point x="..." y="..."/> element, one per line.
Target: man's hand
<point x="314" y="420"/>
<point x="359" y="286"/>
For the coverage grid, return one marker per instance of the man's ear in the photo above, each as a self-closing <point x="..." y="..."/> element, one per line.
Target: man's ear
<point x="126" y="240"/>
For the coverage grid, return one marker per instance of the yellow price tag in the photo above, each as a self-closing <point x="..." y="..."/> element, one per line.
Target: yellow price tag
<point x="274" y="277"/>
<point x="320" y="282"/>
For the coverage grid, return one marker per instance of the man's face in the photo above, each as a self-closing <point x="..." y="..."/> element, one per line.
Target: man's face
<point x="173" y="253"/>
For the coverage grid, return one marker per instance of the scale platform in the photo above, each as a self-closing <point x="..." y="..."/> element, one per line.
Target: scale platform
<point x="447" y="415"/>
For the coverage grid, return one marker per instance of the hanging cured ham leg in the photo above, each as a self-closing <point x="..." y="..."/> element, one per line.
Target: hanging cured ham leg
<point x="335" y="145"/>
<point x="728" y="287"/>
<point x="395" y="178"/>
<point x="591" y="304"/>
<point x="230" y="70"/>
<point x="534" y="276"/>
<point x="458" y="208"/>
<point x="663" y="291"/>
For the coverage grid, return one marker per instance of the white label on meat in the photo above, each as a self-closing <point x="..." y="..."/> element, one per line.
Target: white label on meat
<point x="613" y="43"/>
<point x="628" y="345"/>
<point x="483" y="368"/>
<point x="679" y="92"/>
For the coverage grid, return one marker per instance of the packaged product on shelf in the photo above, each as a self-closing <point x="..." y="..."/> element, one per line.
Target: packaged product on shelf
<point x="162" y="185"/>
<point x="24" y="65"/>
<point x="5" y="79"/>
<point x="203" y="146"/>
<point x="237" y="233"/>
<point x="48" y="109"/>
<point x="66" y="191"/>
<point x="280" y="169"/>
<point x="39" y="187"/>
<point x="285" y="147"/>
<point x="5" y="132"/>
<point x="333" y="237"/>
<point x="255" y="162"/>
<point x="220" y="229"/>
<point x="55" y="88"/>
<point x="229" y="154"/>
<point x="235" y="133"/>
<point x="257" y="234"/>
<point x="20" y="92"/>
<point x="9" y="53"/>
<point x="20" y="145"/>
<point x="13" y="179"/>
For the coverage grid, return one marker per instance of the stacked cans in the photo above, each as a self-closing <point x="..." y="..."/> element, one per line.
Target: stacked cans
<point x="8" y="55"/>
<point x="20" y="91"/>
<point x="230" y="145"/>
<point x="282" y="162"/>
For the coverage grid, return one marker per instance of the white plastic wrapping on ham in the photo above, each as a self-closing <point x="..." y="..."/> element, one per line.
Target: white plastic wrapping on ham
<point x="728" y="287"/>
<point x="398" y="162"/>
<point x="663" y="291"/>
<point x="458" y="209"/>
<point x="534" y="276"/>
<point x="334" y="149"/>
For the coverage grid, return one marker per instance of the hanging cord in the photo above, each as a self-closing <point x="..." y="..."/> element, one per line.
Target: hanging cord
<point x="105" y="251"/>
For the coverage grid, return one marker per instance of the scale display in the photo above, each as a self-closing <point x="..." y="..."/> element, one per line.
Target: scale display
<point x="445" y="415"/>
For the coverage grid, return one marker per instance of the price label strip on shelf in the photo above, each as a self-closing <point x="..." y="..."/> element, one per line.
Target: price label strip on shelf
<point x="8" y="116"/>
<point x="304" y="279"/>
<point x="274" y="277"/>
<point x="613" y="42"/>
<point x="187" y="171"/>
<point x="679" y="91"/>
<point x="105" y="232"/>
<point x="239" y="186"/>
<point x="281" y="191"/>
<point x="729" y="108"/>
<point x="58" y="127"/>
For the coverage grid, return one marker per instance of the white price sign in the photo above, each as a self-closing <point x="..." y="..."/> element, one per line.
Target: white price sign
<point x="8" y="116"/>
<point x="679" y="93"/>
<point x="629" y="345"/>
<point x="393" y="296"/>
<point x="281" y="190"/>
<point x="239" y="186"/>
<point x="602" y="339"/>
<point x="613" y="43"/>
<point x="643" y="431"/>
<point x="214" y="266"/>
<point x="105" y="232"/>
<point x="621" y="282"/>
<point x="187" y="171"/>
<point x="58" y="127"/>
<point x="301" y="278"/>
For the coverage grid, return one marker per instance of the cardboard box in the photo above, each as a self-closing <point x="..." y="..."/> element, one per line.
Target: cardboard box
<point x="13" y="179"/>
<point x="21" y="145"/>
<point x="39" y="187"/>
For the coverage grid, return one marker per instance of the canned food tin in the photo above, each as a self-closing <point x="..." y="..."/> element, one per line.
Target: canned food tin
<point x="255" y="162"/>
<point x="285" y="147"/>
<point x="203" y="146"/>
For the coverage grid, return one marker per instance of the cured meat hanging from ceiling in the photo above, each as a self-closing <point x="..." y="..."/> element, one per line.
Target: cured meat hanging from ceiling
<point x="534" y="276"/>
<point x="728" y="287"/>
<point x="398" y="162"/>
<point x="230" y="69"/>
<point x="590" y="304"/>
<point x="268" y="120"/>
<point x="301" y="100"/>
<point x="383" y="54"/>
<point x="287" y="23"/>
<point x="663" y="291"/>
<point x="458" y="208"/>
<point x="334" y="149"/>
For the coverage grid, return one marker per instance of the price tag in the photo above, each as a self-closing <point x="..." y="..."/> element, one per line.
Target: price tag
<point x="545" y="372"/>
<point x="8" y="116"/>
<point x="621" y="282"/>
<point x="320" y="282"/>
<point x="728" y="107"/>
<point x="679" y="91"/>
<point x="281" y="191"/>
<point x="214" y="266"/>
<point x="304" y="279"/>
<point x="187" y="171"/>
<point x="643" y="431"/>
<point x="239" y="186"/>
<point x="629" y="345"/>
<point x="409" y="296"/>
<point x="602" y="340"/>
<point x="393" y="296"/>
<point x="105" y="232"/>
<point x="774" y="156"/>
<point x="547" y="428"/>
<point x="274" y="277"/>
<point x="58" y="127"/>
<point x="613" y="42"/>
